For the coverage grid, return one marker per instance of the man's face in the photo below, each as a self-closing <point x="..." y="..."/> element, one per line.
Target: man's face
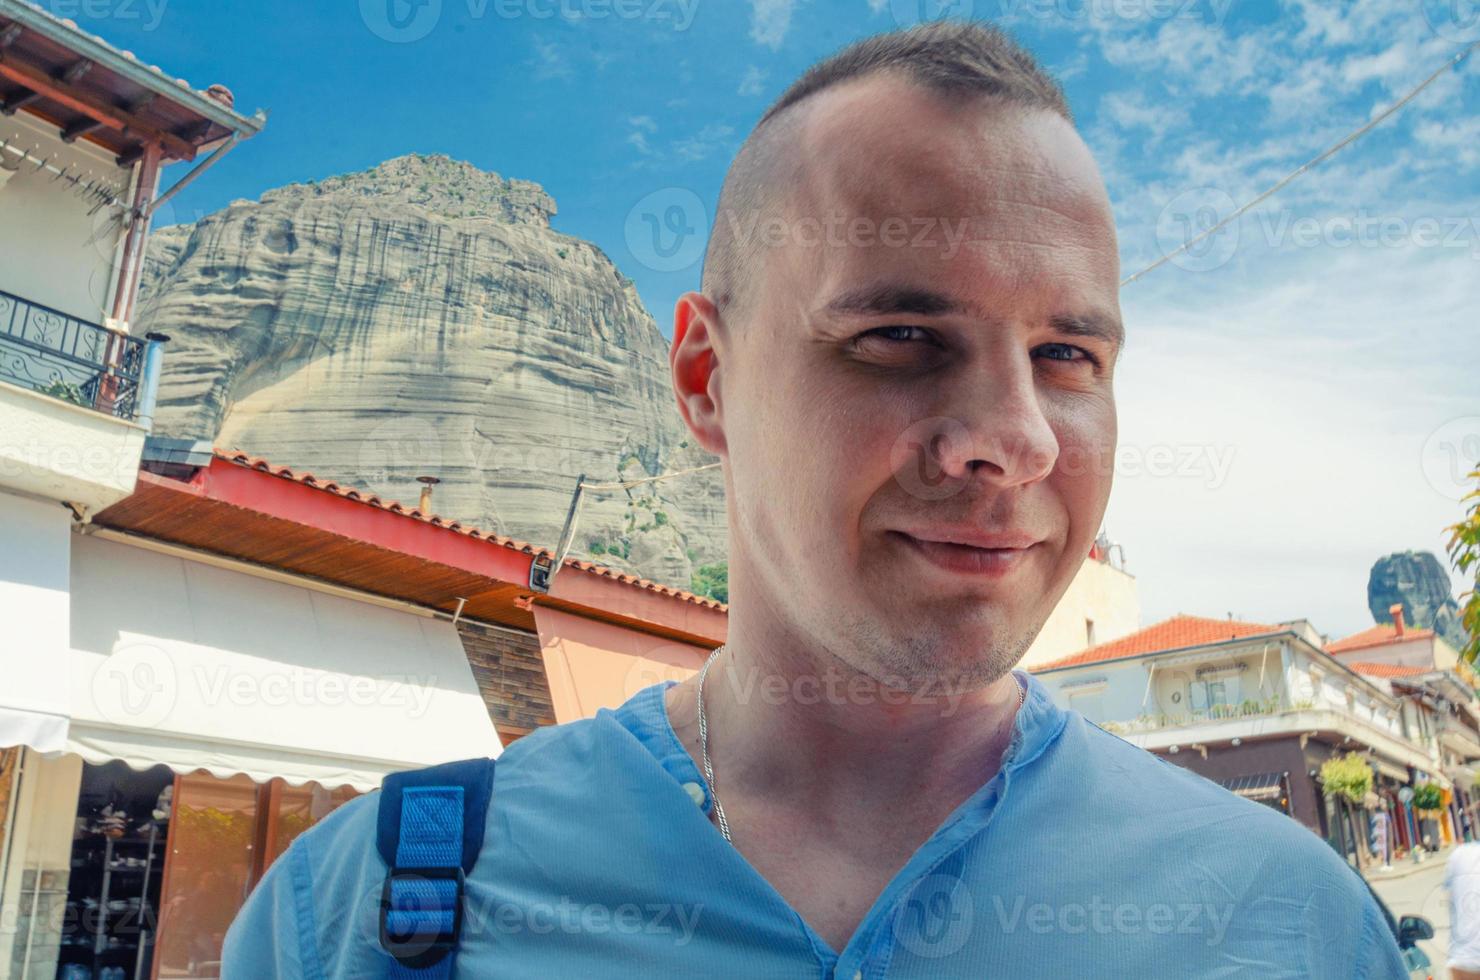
<point x="923" y="355"/>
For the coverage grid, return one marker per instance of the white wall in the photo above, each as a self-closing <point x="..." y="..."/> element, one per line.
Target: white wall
<point x="1099" y="592"/>
<point x="52" y="251"/>
<point x="35" y="607"/>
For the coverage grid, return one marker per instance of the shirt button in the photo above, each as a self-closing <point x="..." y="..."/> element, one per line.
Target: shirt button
<point x="696" y="793"/>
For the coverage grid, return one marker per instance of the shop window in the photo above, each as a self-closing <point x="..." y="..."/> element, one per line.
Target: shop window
<point x="227" y="834"/>
<point x="209" y="871"/>
<point x="117" y="874"/>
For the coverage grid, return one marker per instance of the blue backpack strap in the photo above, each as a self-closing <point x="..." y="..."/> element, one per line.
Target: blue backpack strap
<point x="429" y="831"/>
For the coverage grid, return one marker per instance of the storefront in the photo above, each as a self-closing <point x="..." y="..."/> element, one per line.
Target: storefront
<point x="214" y="715"/>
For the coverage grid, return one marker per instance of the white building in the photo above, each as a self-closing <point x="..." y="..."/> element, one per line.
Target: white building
<point x="1101" y="604"/>
<point x="1255" y="706"/>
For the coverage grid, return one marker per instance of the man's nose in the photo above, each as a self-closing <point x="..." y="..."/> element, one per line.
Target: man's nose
<point x="1001" y="434"/>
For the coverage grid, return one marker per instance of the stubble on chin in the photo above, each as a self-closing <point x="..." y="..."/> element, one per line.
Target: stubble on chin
<point x="925" y="667"/>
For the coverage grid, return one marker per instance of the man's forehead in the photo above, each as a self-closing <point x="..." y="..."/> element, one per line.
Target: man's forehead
<point x="884" y="141"/>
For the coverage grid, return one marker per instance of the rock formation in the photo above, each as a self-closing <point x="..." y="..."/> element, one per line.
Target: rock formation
<point x="1418" y="581"/>
<point x="423" y="318"/>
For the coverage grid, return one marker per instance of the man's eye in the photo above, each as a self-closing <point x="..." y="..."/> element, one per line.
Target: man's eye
<point x="1063" y="352"/>
<point x="895" y="334"/>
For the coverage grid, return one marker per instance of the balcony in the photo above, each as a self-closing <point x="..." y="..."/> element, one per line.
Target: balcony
<point x="76" y="401"/>
<point x="1268" y="718"/>
<point x="70" y="359"/>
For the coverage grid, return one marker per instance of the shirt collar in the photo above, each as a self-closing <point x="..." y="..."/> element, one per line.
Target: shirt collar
<point x="645" y="716"/>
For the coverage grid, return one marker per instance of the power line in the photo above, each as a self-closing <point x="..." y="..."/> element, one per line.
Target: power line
<point x="1346" y="141"/>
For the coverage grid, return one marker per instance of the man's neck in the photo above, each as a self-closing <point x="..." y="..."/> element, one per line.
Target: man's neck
<point x="822" y="736"/>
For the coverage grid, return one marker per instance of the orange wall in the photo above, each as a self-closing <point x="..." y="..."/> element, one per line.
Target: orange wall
<point x="592" y="665"/>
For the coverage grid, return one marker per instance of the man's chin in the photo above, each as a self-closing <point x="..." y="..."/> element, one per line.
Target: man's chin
<point x="951" y="666"/>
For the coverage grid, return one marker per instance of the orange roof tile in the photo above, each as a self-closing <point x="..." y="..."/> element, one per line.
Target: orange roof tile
<point x="1372" y="669"/>
<point x="349" y="493"/>
<point x="1176" y="633"/>
<point x="1376" y="636"/>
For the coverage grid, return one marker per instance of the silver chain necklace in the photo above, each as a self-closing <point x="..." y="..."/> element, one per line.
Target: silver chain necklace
<point x="719" y="808"/>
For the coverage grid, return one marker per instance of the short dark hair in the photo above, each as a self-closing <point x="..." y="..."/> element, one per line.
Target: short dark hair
<point x="956" y="59"/>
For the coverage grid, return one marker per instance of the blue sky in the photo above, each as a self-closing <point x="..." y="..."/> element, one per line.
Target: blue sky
<point x="1294" y="397"/>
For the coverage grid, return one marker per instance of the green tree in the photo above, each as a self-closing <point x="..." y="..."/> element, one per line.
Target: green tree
<point x="1348" y="776"/>
<point x="1346" y="780"/>
<point x="1428" y="796"/>
<point x="712" y="581"/>
<point x="1464" y="553"/>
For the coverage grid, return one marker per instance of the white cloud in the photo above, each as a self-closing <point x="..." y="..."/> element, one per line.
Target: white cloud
<point x="549" y="61"/>
<point x="753" y="82"/>
<point x="770" y="20"/>
<point x="1459" y="136"/>
<point x="703" y="143"/>
<point x="1133" y="111"/>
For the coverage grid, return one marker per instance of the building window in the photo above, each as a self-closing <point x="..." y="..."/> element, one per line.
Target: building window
<point x="1089" y="632"/>
<point x="1205" y="695"/>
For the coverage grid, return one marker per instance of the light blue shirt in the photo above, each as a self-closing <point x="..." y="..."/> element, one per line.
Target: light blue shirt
<point x="1083" y="857"/>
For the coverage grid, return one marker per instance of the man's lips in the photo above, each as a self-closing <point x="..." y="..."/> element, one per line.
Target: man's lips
<point x="971" y="551"/>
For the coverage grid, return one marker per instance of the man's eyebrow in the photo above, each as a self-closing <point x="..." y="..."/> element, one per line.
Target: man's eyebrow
<point x="1106" y="328"/>
<point x="891" y="299"/>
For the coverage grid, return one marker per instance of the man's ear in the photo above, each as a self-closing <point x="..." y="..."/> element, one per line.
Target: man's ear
<point x="695" y="368"/>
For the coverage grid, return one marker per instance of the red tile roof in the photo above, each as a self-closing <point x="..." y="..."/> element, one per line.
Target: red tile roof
<point x="395" y="507"/>
<point x="1372" y="669"/>
<point x="1376" y="636"/>
<point x="1176" y="633"/>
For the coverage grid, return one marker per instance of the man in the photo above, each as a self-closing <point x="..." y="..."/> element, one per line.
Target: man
<point x="1462" y="878"/>
<point x="903" y="353"/>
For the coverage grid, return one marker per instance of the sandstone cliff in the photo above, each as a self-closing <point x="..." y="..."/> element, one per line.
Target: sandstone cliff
<point x="423" y="317"/>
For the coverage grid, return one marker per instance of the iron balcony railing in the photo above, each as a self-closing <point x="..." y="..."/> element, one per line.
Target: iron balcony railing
<point x="70" y="359"/>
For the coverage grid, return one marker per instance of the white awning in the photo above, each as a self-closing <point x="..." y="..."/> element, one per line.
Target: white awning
<point x="41" y="731"/>
<point x="200" y="667"/>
